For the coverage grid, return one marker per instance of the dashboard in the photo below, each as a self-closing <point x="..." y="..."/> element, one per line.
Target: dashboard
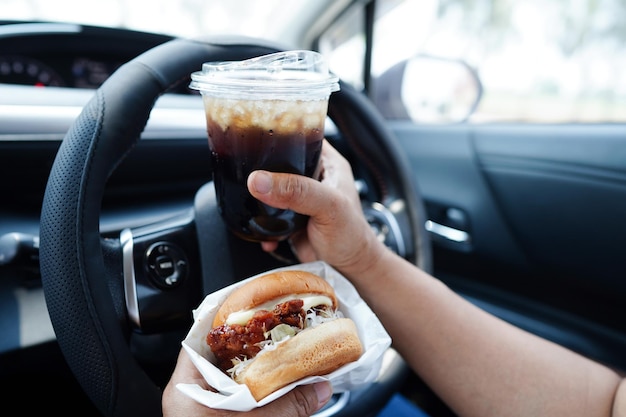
<point x="69" y="55"/>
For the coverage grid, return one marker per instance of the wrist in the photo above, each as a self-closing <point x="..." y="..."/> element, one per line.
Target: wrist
<point x="370" y="261"/>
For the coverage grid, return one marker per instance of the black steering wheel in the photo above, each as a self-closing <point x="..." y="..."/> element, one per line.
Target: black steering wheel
<point x="108" y="296"/>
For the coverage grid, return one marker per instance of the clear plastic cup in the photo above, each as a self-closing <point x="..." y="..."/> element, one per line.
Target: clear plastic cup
<point x="265" y="113"/>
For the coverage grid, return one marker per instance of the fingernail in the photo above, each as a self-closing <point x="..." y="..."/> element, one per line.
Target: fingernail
<point x="324" y="391"/>
<point x="262" y="182"/>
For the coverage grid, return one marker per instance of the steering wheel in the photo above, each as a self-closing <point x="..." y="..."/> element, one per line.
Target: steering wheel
<point x="110" y="296"/>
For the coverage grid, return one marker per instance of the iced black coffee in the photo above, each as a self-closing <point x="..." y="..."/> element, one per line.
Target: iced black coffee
<point x="266" y="113"/>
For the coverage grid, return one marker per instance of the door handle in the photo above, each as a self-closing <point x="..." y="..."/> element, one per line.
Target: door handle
<point x="449" y="237"/>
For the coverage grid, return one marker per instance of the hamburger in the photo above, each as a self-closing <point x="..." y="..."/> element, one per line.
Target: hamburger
<point x="279" y="328"/>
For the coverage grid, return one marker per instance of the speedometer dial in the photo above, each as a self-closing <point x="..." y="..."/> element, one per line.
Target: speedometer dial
<point x="28" y="71"/>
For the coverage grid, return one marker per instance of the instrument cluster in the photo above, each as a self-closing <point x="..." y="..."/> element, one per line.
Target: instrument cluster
<point x="43" y="54"/>
<point x="75" y="72"/>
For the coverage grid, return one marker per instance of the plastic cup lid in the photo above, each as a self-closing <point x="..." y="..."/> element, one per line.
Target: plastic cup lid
<point x="290" y="75"/>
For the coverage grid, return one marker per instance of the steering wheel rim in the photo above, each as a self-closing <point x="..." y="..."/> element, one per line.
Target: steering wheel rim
<point x="82" y="271"/>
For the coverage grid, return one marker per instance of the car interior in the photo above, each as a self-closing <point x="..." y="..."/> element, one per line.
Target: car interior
<point x="104" y="160"/>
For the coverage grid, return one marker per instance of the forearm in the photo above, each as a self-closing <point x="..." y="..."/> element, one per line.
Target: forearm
<point x="480" y="365"/>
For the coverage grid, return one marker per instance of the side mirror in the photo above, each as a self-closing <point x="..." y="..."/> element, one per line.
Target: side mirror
<point x="428" y="89"/>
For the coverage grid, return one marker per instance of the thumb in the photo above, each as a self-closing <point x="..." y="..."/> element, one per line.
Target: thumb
<point x="287" y="191"/>
<point x="302" y="401"/>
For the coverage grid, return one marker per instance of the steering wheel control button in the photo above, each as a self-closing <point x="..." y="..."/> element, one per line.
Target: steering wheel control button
<point x="164" y="266"/>
<point x="167" y="264"/>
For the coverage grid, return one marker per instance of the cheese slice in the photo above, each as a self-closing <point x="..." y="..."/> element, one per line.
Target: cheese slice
<point x="310" y="301"/>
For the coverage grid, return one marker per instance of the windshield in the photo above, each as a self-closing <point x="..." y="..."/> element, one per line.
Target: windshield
<point x="183" y="18"/>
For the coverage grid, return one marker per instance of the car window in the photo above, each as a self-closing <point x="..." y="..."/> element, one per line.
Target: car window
<point x="538" y="61"/>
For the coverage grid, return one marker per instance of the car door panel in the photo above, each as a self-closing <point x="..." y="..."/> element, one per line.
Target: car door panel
<point x="538" y="177"/>
<point x="541" y="256"/>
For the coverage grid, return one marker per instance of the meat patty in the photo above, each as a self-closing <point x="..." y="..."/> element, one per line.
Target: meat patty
<point x="230" y="341"/>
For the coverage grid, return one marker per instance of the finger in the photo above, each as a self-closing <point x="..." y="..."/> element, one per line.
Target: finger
<point x="290" y="191"/>
<point x="336" y="168"/>
<point x="174" y="402"/>
<point x="186" y="371"/>
<point x="269" y="246"/>
<point x="301" y="247"/>
<point x="302" y="401"/>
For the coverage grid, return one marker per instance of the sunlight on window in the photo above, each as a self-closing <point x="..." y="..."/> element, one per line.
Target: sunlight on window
<point x="186" y="18"/>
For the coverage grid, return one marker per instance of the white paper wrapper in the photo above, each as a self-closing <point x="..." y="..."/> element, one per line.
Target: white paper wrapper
<point x="237" y="397"/>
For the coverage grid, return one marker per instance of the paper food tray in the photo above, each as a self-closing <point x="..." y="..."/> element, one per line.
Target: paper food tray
<point x="236" y="397"/>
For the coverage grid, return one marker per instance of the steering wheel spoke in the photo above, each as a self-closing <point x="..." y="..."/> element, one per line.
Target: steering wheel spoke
<point x="160" y="263"/>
